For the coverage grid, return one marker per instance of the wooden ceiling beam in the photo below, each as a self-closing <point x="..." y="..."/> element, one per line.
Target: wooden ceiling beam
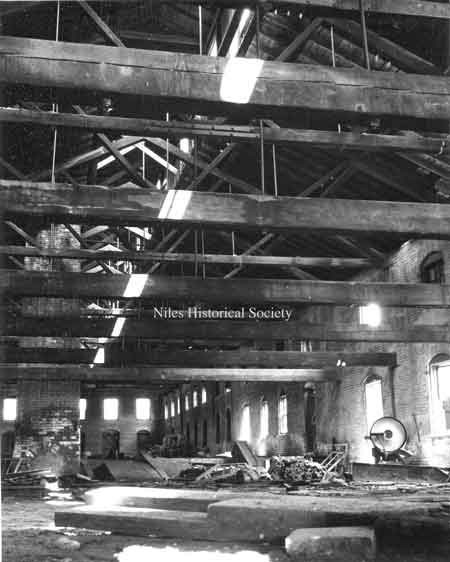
<point x="417" y="8"/>
<point x="213" y="359"/>
<point x="135" y="206"/>
<point x="403" y="141"/>
<point x="30" y="371"/>
<point x="240" y="259"/>
<point x="197" y="79"/>
<point x="216" y="290"/>
<point x="96" y="326"/>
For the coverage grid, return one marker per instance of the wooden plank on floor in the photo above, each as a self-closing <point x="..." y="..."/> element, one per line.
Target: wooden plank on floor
<point x="194" y="80"/>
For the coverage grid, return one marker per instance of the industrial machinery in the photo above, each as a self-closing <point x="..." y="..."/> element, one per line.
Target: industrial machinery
<point x="388" y="436"/>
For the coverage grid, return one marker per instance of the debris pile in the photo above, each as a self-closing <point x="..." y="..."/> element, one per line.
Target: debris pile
<point x="296" y="469"/>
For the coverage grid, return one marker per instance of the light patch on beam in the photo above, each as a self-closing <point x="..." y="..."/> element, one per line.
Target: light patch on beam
<point x="118" y="327"/>
<point x="175" y="204"/>
<point x="157" y="158"/>
<point x="99" y="356"/>
<point x="239" y="79"/>
<point x="110" y="159"/>
<point x="135" y="285"/>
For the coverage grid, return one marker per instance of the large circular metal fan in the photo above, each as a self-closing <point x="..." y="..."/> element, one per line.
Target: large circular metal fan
<point x="388" y="434"/>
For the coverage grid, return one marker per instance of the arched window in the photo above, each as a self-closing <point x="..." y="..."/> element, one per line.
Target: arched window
<point x="264" y="419"/>
<point x="195" y="398"/>
<point x="282" y="414"/>
<point x="245" y="430"/>
<point x="373" y="395"/>
<point x="440" y="394"/>
<point x="204" y="395"/>
<point x="186" y="402"/>
<point x="432" y="268"/>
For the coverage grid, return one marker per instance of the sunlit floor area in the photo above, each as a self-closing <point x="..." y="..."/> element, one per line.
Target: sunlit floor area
<point x="29" y="535"/>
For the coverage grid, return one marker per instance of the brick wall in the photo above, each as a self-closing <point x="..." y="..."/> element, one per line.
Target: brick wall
<point x="241" y="393"/>
<point x="126" y="424"/>
<point x="341" y="408"/>
<point x="46" y="430"/>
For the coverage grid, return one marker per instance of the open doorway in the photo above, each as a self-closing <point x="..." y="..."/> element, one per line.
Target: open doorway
<point x="111" y="444"/>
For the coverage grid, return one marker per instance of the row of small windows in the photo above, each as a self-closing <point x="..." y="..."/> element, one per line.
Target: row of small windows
<point x="111" y="408"/>
<point x="245" y="428"/>
<point x="172" y="408"/>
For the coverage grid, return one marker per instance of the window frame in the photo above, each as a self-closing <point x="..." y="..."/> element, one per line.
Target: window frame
<point x="116" y="402"/>
<point x="283" y="427"/>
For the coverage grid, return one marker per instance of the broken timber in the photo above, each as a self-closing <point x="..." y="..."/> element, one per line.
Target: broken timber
<point x="196" y="80"/>
<point x="102" y="205"/>
<point x="214" y="290"/>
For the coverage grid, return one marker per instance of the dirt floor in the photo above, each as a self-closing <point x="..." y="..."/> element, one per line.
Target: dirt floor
<point x="29" y="535"/>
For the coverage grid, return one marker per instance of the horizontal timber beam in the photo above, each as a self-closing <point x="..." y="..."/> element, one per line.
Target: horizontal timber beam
<point x="30" y="371"/>
<point x="71" y="253"/>
<point x="217" y="290"/>
<point x="195" y="79"/>
<point x="218" y="330"/>
<point x="102" y="205"/>
<point x="213" y="359"/>
<point x="419" y="8"/>
<point x="405" y="141"/>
